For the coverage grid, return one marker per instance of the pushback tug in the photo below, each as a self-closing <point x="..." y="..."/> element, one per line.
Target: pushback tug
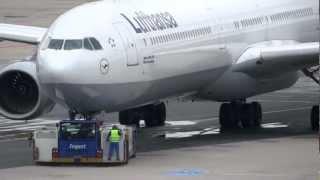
<point x="81" y="142"/>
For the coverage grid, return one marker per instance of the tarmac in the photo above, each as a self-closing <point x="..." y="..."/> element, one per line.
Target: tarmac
<point x="189" y="146"/>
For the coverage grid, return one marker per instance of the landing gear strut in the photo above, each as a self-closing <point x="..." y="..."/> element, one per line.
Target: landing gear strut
<point x="154" y="115"/>
<point x="73" y="115"/>
<point x="238" y="114"/>
<point x="315" y="118"/>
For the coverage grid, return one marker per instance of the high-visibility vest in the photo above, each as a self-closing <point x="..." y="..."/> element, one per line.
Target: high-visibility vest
<point x="115" y="135"/>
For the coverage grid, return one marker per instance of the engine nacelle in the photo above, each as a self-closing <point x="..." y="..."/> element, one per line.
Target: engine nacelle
<point x="21" y="97"/>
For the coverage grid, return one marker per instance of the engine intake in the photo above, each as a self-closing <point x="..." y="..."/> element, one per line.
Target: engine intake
<point x="20" y="94"/>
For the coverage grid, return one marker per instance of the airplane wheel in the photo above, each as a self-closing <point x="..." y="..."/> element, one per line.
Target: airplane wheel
<point x="152" y="116"/>
<point x="227" y="116"/>
<point x="160" y="114"/>
<point x="315" y="118"/>
<point x="128" y="117"/>
<point x="248" y="116"/>
<point x="123" y="117"/>
<point x="223" y="115"/>
<point x="251" y="115"/>
<point x="156" y="115"/>
<point x="149" y="117"/>
<point x="258" y="114"/>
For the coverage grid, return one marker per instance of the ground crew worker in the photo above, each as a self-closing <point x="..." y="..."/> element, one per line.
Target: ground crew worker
<point x="114" y="138"/>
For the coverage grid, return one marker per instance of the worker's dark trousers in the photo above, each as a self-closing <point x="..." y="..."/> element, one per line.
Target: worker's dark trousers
<point x="114" y="146"/>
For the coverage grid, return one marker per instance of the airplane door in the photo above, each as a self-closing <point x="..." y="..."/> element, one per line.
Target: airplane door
<point x="128" y="43"/>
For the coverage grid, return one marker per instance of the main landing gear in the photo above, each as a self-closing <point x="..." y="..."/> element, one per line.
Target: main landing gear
<point x="315" y="118"/>
<point x="239" y="114"/>
<point x="154" y="115"/>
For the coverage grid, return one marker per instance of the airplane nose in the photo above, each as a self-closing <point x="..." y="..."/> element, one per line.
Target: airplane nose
<point x="66" y="78"/>
<point x="52" y="68"/>
<point x="64" y="68"/>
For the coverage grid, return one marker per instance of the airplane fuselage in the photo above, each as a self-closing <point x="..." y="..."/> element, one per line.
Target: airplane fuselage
<point x="152" y="50"/>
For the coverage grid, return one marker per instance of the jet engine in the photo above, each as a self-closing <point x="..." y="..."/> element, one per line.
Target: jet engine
<point x="21" y="97"/>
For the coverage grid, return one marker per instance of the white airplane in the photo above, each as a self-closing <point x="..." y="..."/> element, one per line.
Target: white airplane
<point x="129" y="56"/>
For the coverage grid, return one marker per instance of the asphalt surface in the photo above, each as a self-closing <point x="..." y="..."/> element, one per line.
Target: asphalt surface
<point x="190" y="145"/>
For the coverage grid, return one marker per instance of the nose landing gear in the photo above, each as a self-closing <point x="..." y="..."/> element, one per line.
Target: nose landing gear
<point x="73" y="115"/>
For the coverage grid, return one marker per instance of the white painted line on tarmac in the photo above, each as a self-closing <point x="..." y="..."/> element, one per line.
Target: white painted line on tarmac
<point x="286" y="101"/>
<point x="180" y="123"/>
<point x="22" y="128"/>
<point x="211" y="131"/>
<point x="30" y="124"/>
<point x="13" y="139"/>
<point x="13" y="135"/>
<point x="190" y="122"/>
<point x="10" y="121"/>
<point x="209" y="119"/>
<point x="182" y="134"/>
<point x="13" y="122"/>
<point x="274" y="125"/>
<point x="287" y="110"/>
<point x="186" y="134"/>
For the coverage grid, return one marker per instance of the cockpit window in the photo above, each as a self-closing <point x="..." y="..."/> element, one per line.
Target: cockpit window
<point x="95" y="43"/>
<point x="73" y="44"/>
<point x="87" y="44"/>
<point x="55" y="44"/>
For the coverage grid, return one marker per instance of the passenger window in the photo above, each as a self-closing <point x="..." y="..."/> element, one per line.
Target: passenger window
<point x="193" y="33"/>
<point x="162" y="39"/>
<point x="184" y="34"/>
<point x="171" y="37"/>
<point x="156" y="40"/>
<point x="73" y="44"/>
<point x="55" y="44"/>
<point x="95" y="43"/>
<point x="87" y="44"/>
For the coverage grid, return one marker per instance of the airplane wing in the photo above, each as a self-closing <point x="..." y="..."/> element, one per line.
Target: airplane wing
<point x="25" y="34"/>
<point x="277" y="57"/>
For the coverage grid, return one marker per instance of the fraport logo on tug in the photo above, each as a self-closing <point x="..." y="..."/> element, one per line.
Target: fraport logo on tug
<point x="144" y="23"/>
<point x="77" y="147"/>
